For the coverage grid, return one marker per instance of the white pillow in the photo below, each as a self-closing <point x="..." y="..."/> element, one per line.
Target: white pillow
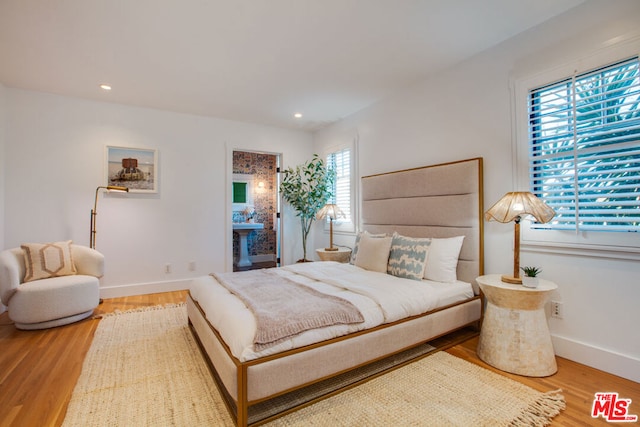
<point x="354" y="252"/>
<point x="373" y="253"/>
<point x="442" y="259"/>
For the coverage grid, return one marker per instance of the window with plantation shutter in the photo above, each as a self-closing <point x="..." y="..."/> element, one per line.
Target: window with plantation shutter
<point x="340" y="161"/>
<point x="584" y="149"/>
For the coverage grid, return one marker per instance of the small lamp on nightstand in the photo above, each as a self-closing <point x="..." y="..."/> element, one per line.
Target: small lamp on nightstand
<point x="514" y="206"/>
<point x="333" y="212"/>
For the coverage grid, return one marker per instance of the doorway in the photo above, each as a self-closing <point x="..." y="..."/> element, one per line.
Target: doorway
<point x="255" y="210"/>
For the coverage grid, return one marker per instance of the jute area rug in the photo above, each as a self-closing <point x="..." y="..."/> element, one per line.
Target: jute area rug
<point x="144" y="368"/>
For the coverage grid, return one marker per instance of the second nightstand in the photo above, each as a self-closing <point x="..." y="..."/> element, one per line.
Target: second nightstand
<point x="341" y="255"/>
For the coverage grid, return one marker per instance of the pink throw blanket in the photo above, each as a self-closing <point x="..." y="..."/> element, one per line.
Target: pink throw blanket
<point x="283" y="308"/>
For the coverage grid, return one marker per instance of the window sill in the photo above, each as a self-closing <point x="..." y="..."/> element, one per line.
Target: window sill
<point x="594" y="244"/>
<point x="593" y="251"/>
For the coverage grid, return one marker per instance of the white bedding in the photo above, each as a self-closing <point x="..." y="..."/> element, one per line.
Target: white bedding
<point x="381" y="298"/>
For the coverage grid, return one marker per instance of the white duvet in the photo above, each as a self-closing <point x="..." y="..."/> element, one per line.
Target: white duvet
<point x="381" y="298"/>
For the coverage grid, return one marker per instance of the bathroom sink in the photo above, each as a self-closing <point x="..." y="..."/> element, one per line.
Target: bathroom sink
<point x="243" y="229"/>
<point x="247" y="226"/>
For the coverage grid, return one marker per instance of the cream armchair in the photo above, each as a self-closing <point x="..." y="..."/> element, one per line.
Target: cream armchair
<point x="54" y="301"/>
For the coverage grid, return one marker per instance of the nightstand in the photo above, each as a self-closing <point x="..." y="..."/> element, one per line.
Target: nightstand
<point x="341" y="255"/>
<point x="515" y="336"/>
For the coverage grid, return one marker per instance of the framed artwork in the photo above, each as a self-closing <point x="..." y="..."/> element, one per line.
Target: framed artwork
<point x="134" y="168"/>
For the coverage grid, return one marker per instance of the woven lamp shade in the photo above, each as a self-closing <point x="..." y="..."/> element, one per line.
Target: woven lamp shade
<point x="517" y="204"/>
<point x="330" y="210"/>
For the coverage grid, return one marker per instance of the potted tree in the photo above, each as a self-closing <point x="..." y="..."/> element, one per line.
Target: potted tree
<point x="307" y="188"/>
<point x="530" y="279"/>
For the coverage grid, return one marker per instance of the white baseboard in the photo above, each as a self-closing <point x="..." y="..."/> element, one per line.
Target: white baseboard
<point x="143" y="288"/>
<point x="606" y="360"/>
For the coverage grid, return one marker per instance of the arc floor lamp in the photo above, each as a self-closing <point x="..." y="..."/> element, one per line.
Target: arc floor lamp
<point x="94" y="211"/>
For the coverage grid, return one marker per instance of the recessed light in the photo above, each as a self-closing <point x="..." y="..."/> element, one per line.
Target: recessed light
<point x="105" y="87"/>
<point x="297" y="115"/>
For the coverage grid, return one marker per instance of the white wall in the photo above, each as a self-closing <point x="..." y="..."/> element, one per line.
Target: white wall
<point x="2" y="167"/>
<point x="2" y="162"/>
<point x="55" y="160"/>
<point x="465" y="112"/>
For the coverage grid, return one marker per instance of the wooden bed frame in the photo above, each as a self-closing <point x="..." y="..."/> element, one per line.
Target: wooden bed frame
<point x="442" y="200"/>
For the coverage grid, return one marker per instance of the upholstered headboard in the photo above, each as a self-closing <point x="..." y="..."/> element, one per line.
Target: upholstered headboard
<point x="443" y="200"/>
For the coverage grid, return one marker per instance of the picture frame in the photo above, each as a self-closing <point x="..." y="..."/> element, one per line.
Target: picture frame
<point x="134" y="168"/>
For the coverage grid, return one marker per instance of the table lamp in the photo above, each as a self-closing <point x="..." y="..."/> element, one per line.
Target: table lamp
<point x="514" y="206"/>
<point x="332" y="211"/>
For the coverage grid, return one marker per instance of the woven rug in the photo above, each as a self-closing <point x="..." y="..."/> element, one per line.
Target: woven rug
<point x="144" y="368"/>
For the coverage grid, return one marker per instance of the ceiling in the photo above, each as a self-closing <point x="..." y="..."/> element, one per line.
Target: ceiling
<point x="257" y="61"/>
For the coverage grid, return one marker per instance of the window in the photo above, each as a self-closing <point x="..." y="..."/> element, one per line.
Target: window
<point x="584" y="149"/>
<point x="340" y="162"/>
<point x="239" y="192"/>
<point x="342" y="158"/>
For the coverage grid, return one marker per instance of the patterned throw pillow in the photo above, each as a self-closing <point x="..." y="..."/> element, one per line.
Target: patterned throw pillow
<point x="45" y="260"/>
<point x="408" y="256"/>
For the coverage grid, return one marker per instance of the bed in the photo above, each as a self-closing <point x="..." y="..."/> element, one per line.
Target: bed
<point x="441" y="205"/>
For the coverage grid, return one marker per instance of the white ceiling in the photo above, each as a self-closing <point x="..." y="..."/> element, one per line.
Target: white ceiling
<point x="256" y="61"/>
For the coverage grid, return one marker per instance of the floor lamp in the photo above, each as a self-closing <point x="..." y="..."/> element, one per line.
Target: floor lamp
<point x="94" y="211"/>
<point x="333" y="212"/>
<point x="514" y="206"/>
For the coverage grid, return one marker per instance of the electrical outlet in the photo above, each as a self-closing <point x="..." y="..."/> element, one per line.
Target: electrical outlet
<point x="557" y="309"/>
<point x="167" y="268"/>
<point x="192" y="266"/>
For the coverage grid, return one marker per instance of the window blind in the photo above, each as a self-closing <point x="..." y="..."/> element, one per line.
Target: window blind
<point x="340" y="161"/>
<point x="584" y="149"/>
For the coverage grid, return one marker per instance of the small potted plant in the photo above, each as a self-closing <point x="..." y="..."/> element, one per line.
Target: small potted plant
<point x="530" y="278"/>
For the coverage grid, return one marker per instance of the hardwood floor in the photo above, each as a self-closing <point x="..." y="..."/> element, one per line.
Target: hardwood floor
<point x="39" y="369"/>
